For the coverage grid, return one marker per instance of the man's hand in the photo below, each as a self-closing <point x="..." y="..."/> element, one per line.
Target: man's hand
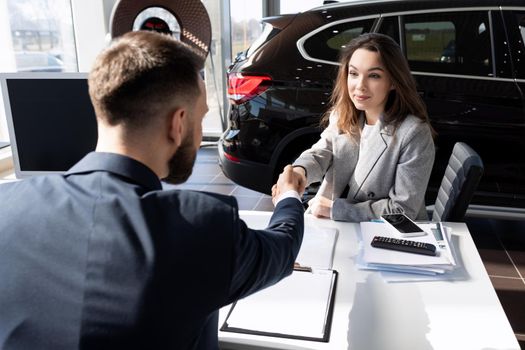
<point x="288" y="180"/>
<point x="300" y="174"/>
<point x="320" y="206"/>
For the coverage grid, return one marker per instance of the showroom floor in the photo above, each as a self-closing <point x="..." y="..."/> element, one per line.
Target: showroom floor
<point x="501" y="243"/>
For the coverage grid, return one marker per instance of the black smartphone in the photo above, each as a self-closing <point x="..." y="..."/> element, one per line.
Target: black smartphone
<point x="403" y="224"/>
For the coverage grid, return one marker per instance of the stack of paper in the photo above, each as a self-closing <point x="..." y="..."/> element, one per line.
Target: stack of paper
<point x="395" y="261"/>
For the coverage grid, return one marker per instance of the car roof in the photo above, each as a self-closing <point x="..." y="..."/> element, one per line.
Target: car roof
<point x="422" y="3"/>
<point x="350" y="3"/>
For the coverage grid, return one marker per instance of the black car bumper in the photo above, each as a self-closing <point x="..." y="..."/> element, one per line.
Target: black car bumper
<point x="253" y="175"/>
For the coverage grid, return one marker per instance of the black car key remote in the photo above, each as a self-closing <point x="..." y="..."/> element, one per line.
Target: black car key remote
<point x="404" y="245"/>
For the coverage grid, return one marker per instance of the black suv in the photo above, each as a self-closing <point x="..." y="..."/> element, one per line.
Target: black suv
<point x="468" y="58"/>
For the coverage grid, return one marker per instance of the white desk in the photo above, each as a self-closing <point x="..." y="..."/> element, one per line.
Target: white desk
<point x="370" y="314"/>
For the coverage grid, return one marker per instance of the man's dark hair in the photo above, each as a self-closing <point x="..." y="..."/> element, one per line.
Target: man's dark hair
<point x="143" y="75"/>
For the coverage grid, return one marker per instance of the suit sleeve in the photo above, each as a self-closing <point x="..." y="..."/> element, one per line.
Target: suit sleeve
<point x="408" y="191"/>
<point x="263" y="257"/>
<point x="319" y="157"/>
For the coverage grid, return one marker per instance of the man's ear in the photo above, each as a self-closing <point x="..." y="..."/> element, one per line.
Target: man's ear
<point x="176" y="124"/>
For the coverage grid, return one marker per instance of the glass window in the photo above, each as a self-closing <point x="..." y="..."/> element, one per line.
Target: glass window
<point x="246" y="25"/>
<point x="35" y="36"/>
<point x="457" y="43"/>
<point x="214" y="123"/>
<point x="431" y="42"/>
<point x="326" y="44"/>
<point x="42" y="35"/>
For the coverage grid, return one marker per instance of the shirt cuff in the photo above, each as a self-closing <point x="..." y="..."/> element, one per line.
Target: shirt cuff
<point x="288" y="194"/>
<point x="302" y="167"/>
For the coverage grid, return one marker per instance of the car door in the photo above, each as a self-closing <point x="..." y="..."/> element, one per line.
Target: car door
<point x="462" y="68"/>
<point x="514" y="21"/>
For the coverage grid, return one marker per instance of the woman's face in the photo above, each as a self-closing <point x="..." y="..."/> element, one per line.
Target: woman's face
<point x="368" y="83"/>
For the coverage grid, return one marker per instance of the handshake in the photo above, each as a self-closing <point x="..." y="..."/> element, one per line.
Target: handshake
<point x="292" y="178"/>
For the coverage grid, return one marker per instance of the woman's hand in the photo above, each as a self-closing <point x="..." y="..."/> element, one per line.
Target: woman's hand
<point x="289" y="179"/>
<point x="320" y="206"/>
<point x="300" y="176"/>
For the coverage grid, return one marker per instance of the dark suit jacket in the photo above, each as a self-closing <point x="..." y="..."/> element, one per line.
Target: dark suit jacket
<point x="102" y="257"/>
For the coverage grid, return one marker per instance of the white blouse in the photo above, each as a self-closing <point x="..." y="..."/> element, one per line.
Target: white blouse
<point x="360" y="173"/>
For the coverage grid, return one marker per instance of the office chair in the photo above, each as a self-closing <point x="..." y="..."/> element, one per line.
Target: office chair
<point x="461" y="178"/>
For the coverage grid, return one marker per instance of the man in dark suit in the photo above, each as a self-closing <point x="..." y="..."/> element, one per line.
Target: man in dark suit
<point x="102" y="257"/>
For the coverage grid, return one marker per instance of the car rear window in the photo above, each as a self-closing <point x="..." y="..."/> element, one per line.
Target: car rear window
<point x="326" y="44"/>
<point x="268" y="32"/>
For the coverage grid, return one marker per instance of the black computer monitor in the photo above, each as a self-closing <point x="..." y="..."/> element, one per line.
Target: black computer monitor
<point x="51" y="120"/>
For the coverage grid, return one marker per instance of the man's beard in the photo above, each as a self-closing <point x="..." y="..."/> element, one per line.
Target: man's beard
<point x="181" y="164"/>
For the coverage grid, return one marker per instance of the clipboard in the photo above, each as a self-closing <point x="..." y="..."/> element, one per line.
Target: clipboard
<point x="298" y="307"/>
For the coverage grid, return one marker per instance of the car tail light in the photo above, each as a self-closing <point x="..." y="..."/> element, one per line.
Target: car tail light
<point x="242" y="88"/>
<point x="232" y="158"/>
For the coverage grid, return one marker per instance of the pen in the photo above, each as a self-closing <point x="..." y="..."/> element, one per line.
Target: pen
<point x="441" y="239"/>
<point x="440" y="232"/>
<point x="299" y="267"/>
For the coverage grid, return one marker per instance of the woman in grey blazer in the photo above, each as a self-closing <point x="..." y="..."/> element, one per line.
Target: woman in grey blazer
<point x="376" y="154"/>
